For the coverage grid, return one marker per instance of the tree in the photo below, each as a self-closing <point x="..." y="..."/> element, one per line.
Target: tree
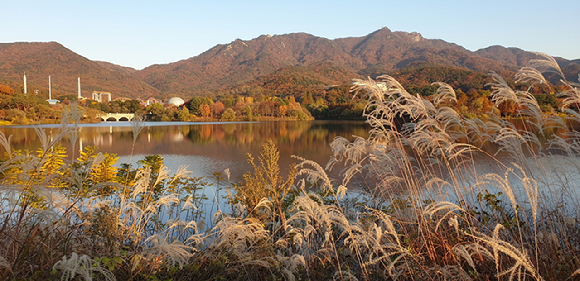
<point x="67" y="97"/>
<point x="547" y="101"/>
<point x="170" y="114"/>
<point x="283" y="110"/>
<point x="17" y="117"/>
<point x="133" y="105"/>
<point x="6" y="90"/>
<point x="104" y="107"/>
<point x="31" y="114"/>
<point x="105" y="171"/>
<point x="22" y="102"/>
<point x="205" y="110"/>
<point x="157" y="111"/>
<point x="218" y="108"/>
<point x="229" y="102"/>
<point x="229" y="115"/>
<point x="183" y="114"/>
<point x="128" y="106"/>
<point x="91" y="113"/>
<point x="116" y="107"/>
<point x="195" y="103"/>
<point x="247" y="110"/>
<point x="46" y="111"/>
<point x="54" y="159"/>
<point x="307" y="99"/>
<point x="300" y="115"/>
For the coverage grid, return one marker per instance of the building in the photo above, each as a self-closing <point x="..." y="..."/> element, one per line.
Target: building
<point x="151" y="101"/>
<point x="101" y="96"/>
<point x="177" y="101"/>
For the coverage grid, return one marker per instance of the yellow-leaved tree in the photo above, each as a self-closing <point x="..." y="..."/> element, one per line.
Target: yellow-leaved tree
<point x="105" y="171"/>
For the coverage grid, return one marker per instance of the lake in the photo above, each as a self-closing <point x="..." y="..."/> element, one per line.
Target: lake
<point x="205" y="147"/>
<point x="208" y="147"/>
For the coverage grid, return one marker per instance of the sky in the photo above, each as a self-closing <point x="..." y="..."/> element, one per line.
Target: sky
<point x="141" y="33"/>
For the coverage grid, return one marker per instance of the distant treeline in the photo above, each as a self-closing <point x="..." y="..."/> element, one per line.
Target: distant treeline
<point x="292" y="93"/>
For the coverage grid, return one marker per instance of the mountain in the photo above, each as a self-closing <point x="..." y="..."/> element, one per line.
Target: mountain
<point x="115" y="67"/>
<point x="39" y="60"/>
<point x="377" y="53"/>
<point x="240" y="61"/>
<point x="510" y="56"/>
<point x="261" y="62"/>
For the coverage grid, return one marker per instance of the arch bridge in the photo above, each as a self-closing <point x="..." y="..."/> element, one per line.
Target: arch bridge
<point x="115" y="117"/>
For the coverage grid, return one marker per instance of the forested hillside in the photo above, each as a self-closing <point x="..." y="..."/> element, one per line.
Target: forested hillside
<point x="40" y="60"/>
<point x="297" y="64"/>
<point x="380" y="52"/>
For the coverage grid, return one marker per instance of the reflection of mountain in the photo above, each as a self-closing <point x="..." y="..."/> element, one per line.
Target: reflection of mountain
<point x="213" y="140"/>
<point x="291" y="137"/>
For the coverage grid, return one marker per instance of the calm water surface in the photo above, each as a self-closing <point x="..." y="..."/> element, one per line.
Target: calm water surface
<point x="207" y="147"/>
<point x="204" y="147"/>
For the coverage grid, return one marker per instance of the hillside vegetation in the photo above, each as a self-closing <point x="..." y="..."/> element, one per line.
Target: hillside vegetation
<point x="40" y="60"/>
<point x="242" y="63"/>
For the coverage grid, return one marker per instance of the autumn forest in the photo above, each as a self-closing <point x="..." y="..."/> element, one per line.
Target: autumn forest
<point x="304" y="78"/>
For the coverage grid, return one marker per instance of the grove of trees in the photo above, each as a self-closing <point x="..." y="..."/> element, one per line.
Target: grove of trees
<point x="291" y="93"/>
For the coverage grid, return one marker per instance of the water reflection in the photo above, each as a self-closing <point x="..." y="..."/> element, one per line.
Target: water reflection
<point x="202" y="145"/>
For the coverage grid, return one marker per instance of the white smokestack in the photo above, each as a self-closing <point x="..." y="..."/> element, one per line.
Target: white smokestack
<point x="79" y="97"/>
<point x="25" y="83"/>
<point x="49" y="89"/>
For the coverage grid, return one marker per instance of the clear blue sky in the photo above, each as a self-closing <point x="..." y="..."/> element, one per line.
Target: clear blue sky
<point x="145" y="32"/>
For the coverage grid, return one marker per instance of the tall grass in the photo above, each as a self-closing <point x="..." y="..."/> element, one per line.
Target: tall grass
<point x="429" y="195"/>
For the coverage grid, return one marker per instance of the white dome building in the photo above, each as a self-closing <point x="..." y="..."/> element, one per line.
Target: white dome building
<point x="175" y="101"/>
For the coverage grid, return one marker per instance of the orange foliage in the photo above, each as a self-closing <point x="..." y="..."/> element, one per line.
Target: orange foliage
<point x="6" y="90"/>
<point x="205" y="110"/>
<point x="218" y="108"/>
<point x="283" y="110"/>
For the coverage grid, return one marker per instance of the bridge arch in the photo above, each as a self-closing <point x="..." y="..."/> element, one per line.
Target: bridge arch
<point x="114" y="117"/>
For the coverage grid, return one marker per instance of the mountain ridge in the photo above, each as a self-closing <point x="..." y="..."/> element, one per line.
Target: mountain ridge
<point x="226" y="66"/>
<point x="40" y="60"/>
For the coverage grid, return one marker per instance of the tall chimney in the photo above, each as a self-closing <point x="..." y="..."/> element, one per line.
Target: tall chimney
<point x="79" y="97"/>
<point x="25" y="83"/>
<point x="49" y="89"/>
